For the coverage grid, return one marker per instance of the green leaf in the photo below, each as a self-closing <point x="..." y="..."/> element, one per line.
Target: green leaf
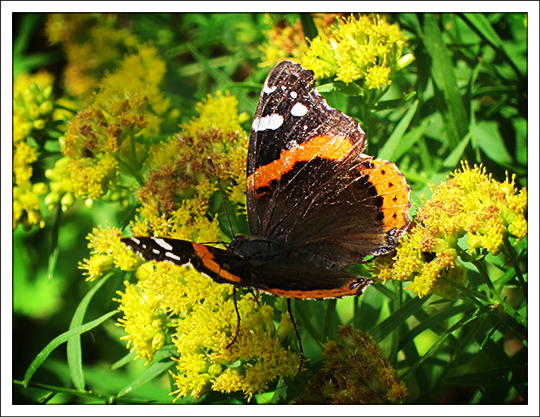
<point x="352" y="89"/>
<point x="508" y="375"/>
<point x="448" y="97"/>
<point x="431" y="322"/>
<point x="391" y="324"/>
<point x="488" y="138"/>
<point x="74" y="354"/>
<point x="443" y="336"/>
<point x="308" y="26"/>
<point x="150" y="373"/>
<point x="480" y="24"/>
<point x="456" y="155"/>
<point x="57" y="341"/>
<point x="82" y="394"/>
<point x="390" y="148"/>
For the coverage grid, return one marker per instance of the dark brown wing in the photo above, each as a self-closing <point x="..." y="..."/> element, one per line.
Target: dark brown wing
<point x="309" y="184"/>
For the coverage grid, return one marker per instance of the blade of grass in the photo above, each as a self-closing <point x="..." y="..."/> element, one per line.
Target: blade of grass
<point x="308" y="26"/>
<point x="394" y="141"/>
<point x="57" y="341"/>
<point x="447" y="91"/>
<point x="148" y="375"/>
<point x="74" y="353"/>
<point x="431" y="322"/>
<point x="108" y="399"/>
<point x="410" y="138"/>
<point x="481" y="25"/>
<point x="391" y="324"/>
<point x="508" y="375"/>
<point x="442" y="337"/>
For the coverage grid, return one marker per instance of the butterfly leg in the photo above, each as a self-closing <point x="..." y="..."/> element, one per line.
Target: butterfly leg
<point x="289" y="309"/>
<point x="237" y="317"/>
<point x="252" y="292"/>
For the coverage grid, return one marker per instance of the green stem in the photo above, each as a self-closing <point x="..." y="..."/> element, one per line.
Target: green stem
<point x="515" y="263"/>
<point x="499" y="301"/>
<point x="483" y="273"/>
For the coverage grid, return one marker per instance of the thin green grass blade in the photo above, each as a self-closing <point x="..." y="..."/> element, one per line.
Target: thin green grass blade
<point x="409" y="139"/>
<point x="74" y="353"/>
<point x="308" y="26"/>
<point x="456" y="155"/>
<point x="443" y="336"/>
<point x="448" y="97"/>
<point x="391" y="324"/>
<point x="508" y="375"/>
<point x="394" y="141"/>
<point x="148" y="375"/>
<point x="431" y="322"/>
<point x="108" y="399"/>
<point x="57" y="341"/>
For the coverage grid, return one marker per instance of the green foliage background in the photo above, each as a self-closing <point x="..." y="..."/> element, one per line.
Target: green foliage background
<point x="468" y="91"/>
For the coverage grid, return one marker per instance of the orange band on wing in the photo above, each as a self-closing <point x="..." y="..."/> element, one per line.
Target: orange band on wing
<point x="208" y="260"/>
<point x="340" y="292"/>
<point x="327" y="146"/>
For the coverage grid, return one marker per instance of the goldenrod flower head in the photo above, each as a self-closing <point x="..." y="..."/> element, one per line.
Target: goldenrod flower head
<point x="93" y="43"/>
<point x="470" y="203"/>
<point x="107" y="251"/>
<point x="355" y="372"/>
<point x="284" y="41"/>
<point x="127" y="106"/>
<point x="217" y="112"/>
<point x="176" y="193"/>
<point x="198" y="316"/>
<point x="32" y="110"/>
<point x="367" y="47"/>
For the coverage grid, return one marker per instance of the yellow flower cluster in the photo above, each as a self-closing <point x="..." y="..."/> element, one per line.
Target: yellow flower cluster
<point x="107" y="252"/>
<point x="471" y="203"/>
<point x="171" y="303"/>
<point x="175" y="196"/>
<point x="367" y="47"/>
<point x="284" y="41"/>
<point x="32" y="112"/>
<point x="128" y="105"/>
<point x="92" y="43"/>
<point x="355" y="372"/>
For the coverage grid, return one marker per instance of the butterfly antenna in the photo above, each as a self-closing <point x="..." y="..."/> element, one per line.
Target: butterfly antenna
<point x="213" y="168"/>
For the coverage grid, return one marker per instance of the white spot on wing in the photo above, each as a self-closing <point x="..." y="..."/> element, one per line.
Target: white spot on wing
<point x="137" y="241"/>
<point x="283" y="87"/>
<point x="272" y="122"/>
<point x="172" y="256"/>
<point x="268" y="90"/>
<point x="163" y="244"/>
<point x="293" y="94"/>
<point x="299" y="110"/>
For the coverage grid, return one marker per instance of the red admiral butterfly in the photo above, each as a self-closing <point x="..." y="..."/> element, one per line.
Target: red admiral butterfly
<point x="315" y="202"/>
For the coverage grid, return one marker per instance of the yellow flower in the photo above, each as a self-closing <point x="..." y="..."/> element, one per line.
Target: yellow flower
<point x="92" y="42"/>
<point x="32" y="110"/>
<point x="103" y="136"/>
<point x="470" y="203"/>
<point x="107" y="251"/>
<point x="179" y="304"/>
<point x="284" y="41"/>
<point x="355" y="372"/>
<point x="367" y="47"/>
